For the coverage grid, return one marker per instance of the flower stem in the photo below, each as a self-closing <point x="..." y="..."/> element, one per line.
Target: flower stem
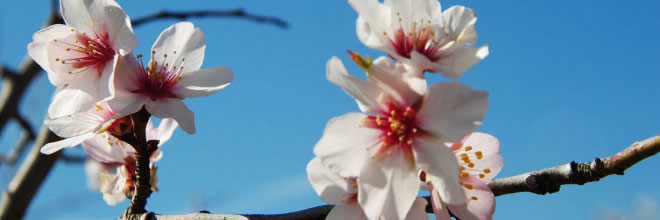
<point x="143" y="149"/>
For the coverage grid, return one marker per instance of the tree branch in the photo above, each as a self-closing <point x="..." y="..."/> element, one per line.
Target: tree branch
<point x="540" y="182"/>
<point x="236" y="13"/>
<point x="549" y="180"/>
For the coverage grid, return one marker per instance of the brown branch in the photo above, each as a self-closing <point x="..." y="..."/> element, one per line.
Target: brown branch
<point x="549" y="180"/>
<point x="539" y="182"/>
<point x="28" y="179"/>
<point x="236" y="13"/>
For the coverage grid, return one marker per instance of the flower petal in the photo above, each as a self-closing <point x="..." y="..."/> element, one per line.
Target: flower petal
<point x="329" y="186"/>
<point x="418" y="210"/>
<point x="452" y="111"/>
<point x="458" y="22"/>
<point x="106" y="148"/>
<point x="459" y="60"/>
<point x="164" y="131"/>
<point x="344" y="146"/>
<point x="183" y="43"/>
<point x="68" y="101"/>
<point x="85" y="14"/>
<point x="440" y="165"/>
<point x="439" y="208"/>
<point x="387" y="187"/>
<point x="120" y="31"/>
<point x="203" y="82"/>
<point x="346" y="212"/>
<point x="364" y="92"/>
<point x="376" y="18"/>
<point x="481" y="201"/>
<point x="53" y="147"/>
<point x="175" y="109"/>
<point x="37" y="49"/>
<point x="483" y="153"/>
<point x="406" y="85"/>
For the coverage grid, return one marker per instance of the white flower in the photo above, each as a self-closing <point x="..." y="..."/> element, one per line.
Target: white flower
<point x="171" y="75"/>
<point x="78" y="127"/>
<point x="112" y="168"/>
<point x="78" y="56"/>
<point x="403" y="133"/>
<point x="418" y="33"/>
<point x="343" y="193"/>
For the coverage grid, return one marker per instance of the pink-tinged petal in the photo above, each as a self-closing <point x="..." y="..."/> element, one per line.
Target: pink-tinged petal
<point x="458" y="22"/>
<point x="452" y="111"/>
<point x="156" y="155"/>
<point x="460" y="59"/>
<point x="346" y="212"/>
<point x="94" y="170"/>
<point x="118" y="26"/>
<point x="364" y="92"/>
<point x="164" y="131"/>
<point x="180" y="44"/>
<point x="38" y="49"/>
<point x="481" y="201"/>
<point x="66" y="143"/>
<point x="175" y="109"/>
<point x="203" y="82"/>
<point x="418" y="210"/>
<point x="376" y="19"/>
<point x="345" y="144"/>
<point x="114" y="198"/>
<point x="331" y="187"/>
<point x="387" y="187"/>
<point x="439" y="208"/>
<point x="81" y="123"/>
<point x="441" y="168"/>
<point x="85" y="14"/>
<point x="405" y="85"/>
<point x="106" y="148"/>
<point x="69" y="101"/>
<point x="480" y="156"/>
<point x="125" y="69"/>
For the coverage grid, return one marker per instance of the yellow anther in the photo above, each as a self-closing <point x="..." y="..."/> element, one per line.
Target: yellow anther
<point x="468" y="148"/>
<point x="174" y="52"/>
<point x="479" y="155"/>
<point x="486" y="170"/>
<point x="57" y="59"/>
<point x="471" y="165"/>
<point x="482" y="176"/>
<point x="414" y="130"/>
<point x="401" y="138"/>
<point x="474" y="198"/>
<point x="409" y="142"/>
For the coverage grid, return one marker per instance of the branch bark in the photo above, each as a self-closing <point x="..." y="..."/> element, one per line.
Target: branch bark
<point x="540" y="182"/>
<point x="236" y="13"/>
<point x="33" y="171"/>
<point x="549" y="180"/>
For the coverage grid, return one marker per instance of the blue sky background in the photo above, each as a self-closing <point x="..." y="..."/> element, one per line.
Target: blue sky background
<point x="568" y="80"/>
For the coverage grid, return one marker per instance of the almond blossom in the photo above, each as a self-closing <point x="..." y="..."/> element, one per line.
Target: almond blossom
<point x="79" y="55"/>
<point x="112" y="167"/>
<point x="480" y="161"/>
<point x="402" y="133"/>
<point x="342" y="192"/>
<point x="79" y="127"/>
<point x="172" y="74"/>
<point x="418" y="33"/>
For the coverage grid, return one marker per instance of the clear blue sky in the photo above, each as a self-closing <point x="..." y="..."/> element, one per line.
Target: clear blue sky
<point x="568" y="80"/>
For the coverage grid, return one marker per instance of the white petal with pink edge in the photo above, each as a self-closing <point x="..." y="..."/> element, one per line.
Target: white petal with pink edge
<point x="452" y="111"/>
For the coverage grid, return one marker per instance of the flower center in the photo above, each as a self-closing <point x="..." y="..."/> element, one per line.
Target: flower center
<point x="422" y="40"/>
<point x="398" y="128"/>
<point x="88" y="51"/>
<point x="157" y="81"/>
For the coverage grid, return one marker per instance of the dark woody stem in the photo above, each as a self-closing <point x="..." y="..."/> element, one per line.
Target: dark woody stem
<point x="143" y="149"/>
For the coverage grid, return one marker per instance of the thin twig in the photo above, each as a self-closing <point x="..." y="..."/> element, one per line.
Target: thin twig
<point x="235" y="13"/>
<point x="549" y="180"/>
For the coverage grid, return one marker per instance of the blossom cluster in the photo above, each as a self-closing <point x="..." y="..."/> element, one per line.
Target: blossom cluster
<point x="409" y="136"/>
<point x="101" y="83"/>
